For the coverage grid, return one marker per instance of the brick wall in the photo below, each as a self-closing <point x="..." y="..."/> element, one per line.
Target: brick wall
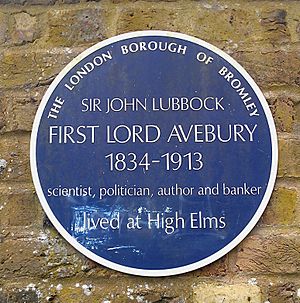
<point x="37" y="39"/>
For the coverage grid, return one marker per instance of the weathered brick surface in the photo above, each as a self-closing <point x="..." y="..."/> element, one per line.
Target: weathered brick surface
<point x="18" y="108"/>
<point x="282" y="106"/>
<point x="31" y="67"/>
<point x="113" y="290"/>
<point x="236" y="25"/>
<point x="211" y="293"/>
<point x="19" y="206"/>
<point x="155" y="18"/>
<point x="3" y="28"/>
<point x="283" y="292"/>
<point x="28" y="2"/>
<point x="25" y="296"/>
<point x="132" y="290"/>
<point x="23" y="256"/>
<point x="63" y="261"/>
<point x="36" y="253"/>
<point x="289" y="159"/>
<point x="227" y="24"/>
<point x="270" y="253"/>
<point x="275" y="288"/>
<point x="25" y="28"/>
<point x="293" y="22"/>
<point x="282" y="207"/>
<point x="216" y="269"/>
<point x="297" y="118"/>
<point x="15" y="151"/>
<point x="72" y="27"/>
<point x="269" y="67"/>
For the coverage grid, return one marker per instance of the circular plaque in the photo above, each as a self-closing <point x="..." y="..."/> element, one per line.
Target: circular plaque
<point x="154" y="153"/>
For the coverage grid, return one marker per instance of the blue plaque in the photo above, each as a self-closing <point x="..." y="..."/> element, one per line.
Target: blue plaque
<point x="154" y="153"/>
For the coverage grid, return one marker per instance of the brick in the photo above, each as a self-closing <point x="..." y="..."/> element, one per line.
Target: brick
<point x="113" y="290"/>
<point x="269" y="66"/>
<point x="3" y="165"/>
<point x="274" y="22"/>
<point x="3" y="298"/>
<point x="19" y="293"/>
<point x="75" y="27"/>
<point x="226" y="293"/>
<point x="12" y="1"/>
<point x="25" y="28"/>
<point x="19" y="206"/>
<point x="297" y="119"/>
<point x="18" y="108"/>
<point x="235" y="25"/>
<point x="151" y="17"/>
<point x="31" y="67"/>
<point x="274" y="253"/>
<point x="63" y="261"/>
<point x="284" y="103"/>
<point x="34" y="253"/>
<point x="293" y="11"/>
<point x="298" y="31"/>
<point x="281" y="209"/>
<point x="2" y="114"/>
<point x="224" y="24"/>
<point x="3" y="28"/>
<point x="28" y="2"/>
<point x="283" y="109"/>
<point x="122" y="1"/>
<point x="94" y="270"/>
<point x="283" y="292"/>
<point x="284" y="115"/>
<point x="69" y="1"/>
<point x="239" y="30"/>
<point x="289" y="158"/>
<point x="23" y="296"/>
<point x="124" y="290"/>
<point x="23" y="257"/>
<point x="40" y="2"/>
<point x="15" y="151"/>
<point x="218" y="268"/>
